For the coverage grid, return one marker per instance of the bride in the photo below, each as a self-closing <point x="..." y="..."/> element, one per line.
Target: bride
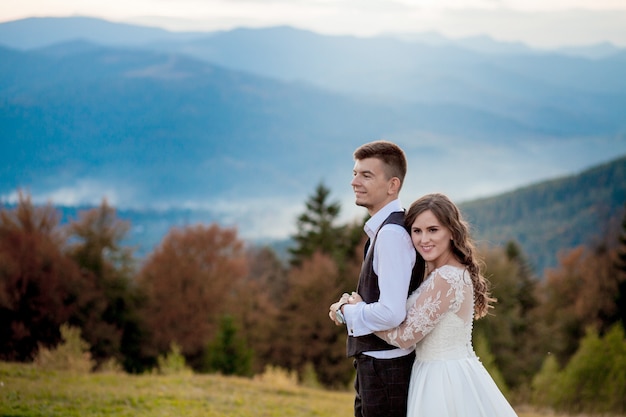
<point x="447" y="378"/>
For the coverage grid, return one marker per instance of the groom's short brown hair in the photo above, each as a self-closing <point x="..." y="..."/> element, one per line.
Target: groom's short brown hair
<point x="391" y="154"/>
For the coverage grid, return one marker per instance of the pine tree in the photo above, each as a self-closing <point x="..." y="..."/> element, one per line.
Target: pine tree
<point x="509" y="329"/>
<point x="620" y="268"/>
<point x="316" y="227"/>
<point x="228" y="353"/>
<point x="318" y="231"/>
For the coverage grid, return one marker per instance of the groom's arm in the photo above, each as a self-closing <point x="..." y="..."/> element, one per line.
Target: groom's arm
<point x="394" y="258"/>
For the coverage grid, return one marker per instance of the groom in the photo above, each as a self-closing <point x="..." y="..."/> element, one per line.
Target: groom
<point x="387" y="276"/>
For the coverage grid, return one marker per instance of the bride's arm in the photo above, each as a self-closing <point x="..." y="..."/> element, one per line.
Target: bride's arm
<point x="439" y="297"/>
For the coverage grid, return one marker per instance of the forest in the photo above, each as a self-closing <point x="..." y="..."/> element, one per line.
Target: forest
<point x="227" y="307"/>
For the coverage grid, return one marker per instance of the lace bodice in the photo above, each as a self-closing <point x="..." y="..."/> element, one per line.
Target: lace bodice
<point x="439" y="317"/>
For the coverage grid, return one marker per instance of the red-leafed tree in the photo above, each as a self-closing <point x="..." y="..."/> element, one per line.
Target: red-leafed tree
<point x="109" y="320"/>
<point x="306" y="336"/>
<point x="39" y="285"/>
<point x="259" y="300"/>
<point x="190" y="281"/>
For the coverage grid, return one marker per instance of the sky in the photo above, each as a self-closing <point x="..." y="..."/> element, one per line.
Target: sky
<point x="539" y="23"/>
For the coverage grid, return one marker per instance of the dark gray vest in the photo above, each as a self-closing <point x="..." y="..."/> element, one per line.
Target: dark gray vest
<point x="370" y="292"/>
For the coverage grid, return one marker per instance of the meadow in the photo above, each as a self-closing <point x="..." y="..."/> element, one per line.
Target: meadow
<point x="29" y="391"/>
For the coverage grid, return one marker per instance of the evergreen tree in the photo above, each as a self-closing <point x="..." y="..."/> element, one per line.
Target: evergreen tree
<point x="318" y="231"/>
<point x="228" y="353"/>
<point x="620" y="270"/>
<point x="526" y="279"/>
<point x="509" y="328"/>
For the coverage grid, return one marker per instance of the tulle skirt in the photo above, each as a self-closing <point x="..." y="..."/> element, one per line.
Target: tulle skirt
<point x="455" y="388"/>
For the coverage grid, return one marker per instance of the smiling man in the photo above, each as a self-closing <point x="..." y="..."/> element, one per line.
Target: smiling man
<point x="387" y="276"/>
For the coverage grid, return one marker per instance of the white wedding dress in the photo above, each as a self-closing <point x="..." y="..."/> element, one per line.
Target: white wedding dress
<point x="447" y="378"/>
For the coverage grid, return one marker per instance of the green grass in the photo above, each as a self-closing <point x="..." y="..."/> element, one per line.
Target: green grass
<point x="28" y="391"/>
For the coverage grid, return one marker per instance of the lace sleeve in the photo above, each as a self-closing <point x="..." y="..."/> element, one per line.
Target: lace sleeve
<point x="441" y="294"/>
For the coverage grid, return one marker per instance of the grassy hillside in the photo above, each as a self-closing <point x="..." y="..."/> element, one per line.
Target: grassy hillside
<point x="555" y="215"/>
<point x="26" y="391"/>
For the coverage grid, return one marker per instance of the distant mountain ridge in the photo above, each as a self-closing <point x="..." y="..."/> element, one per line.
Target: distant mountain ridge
<point x="39" y="32"/>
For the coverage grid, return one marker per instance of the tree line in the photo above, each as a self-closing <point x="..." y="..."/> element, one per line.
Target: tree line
<point x="233" y="308"/>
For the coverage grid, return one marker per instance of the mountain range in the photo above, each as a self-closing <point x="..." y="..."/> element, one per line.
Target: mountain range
<point x="243" y="124"/>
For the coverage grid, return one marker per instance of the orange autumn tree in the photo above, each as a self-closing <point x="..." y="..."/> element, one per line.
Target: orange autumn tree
<point x="579" y="294"/>
<point x="40" y="286"/>
<point x="189" y="282"/>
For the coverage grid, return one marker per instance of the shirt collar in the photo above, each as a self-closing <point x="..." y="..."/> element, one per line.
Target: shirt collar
<point x="374" y="223"/>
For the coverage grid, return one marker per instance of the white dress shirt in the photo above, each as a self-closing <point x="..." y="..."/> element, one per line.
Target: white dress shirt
<point x="394" y="258"/>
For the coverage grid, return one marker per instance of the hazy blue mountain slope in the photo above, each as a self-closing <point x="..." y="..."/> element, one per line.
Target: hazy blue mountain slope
<point x="555" y="215"/>
<point x="166" y="125"/>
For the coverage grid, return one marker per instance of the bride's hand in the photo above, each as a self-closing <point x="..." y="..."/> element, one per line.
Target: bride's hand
<point x="332" y="313"/>
<point x="354" y="298"/>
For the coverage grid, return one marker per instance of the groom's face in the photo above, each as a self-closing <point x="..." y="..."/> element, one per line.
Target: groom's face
<point x="371" y="185"/>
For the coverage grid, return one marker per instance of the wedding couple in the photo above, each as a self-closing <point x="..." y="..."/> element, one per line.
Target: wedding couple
<point x="409" y="323"/>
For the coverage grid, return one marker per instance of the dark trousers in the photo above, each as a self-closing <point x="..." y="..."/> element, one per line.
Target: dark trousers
<point x="382" y="386"/>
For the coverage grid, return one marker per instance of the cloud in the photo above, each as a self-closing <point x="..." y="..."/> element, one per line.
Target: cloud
<point x="537" y="22"/>
<point x="540" y="28"/>
<point x="82" y="192"/>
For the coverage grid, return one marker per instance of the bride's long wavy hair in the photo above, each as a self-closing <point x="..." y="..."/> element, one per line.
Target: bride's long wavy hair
<point x="463" y="247"/>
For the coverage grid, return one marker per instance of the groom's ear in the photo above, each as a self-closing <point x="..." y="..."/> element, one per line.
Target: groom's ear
<point x="394" y="186"/>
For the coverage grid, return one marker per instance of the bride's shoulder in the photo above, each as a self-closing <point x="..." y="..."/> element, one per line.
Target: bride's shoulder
<point x="451" y="273"/>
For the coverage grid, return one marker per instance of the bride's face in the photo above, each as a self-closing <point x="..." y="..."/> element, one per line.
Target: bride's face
<point x="431" y="239"/>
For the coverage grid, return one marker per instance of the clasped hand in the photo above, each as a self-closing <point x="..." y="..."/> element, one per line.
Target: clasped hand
<point x="345" y="299"/>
